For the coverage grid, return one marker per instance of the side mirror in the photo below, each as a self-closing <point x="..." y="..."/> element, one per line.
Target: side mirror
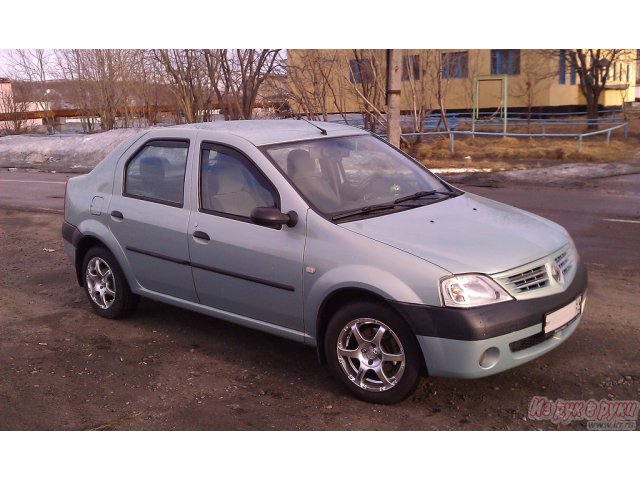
<point x="272" y="217"/>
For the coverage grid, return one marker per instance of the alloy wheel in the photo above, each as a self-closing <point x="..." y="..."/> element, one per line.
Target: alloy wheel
<point x="100" y="282"/>
<point x="371" y="354"/>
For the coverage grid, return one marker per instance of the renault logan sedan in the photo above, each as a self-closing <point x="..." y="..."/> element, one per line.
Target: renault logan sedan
<point x="327" y="235"/>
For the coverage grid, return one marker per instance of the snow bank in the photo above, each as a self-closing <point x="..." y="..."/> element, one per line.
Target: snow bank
<point x="568" y="172"/>
<point x="61" y="152"/>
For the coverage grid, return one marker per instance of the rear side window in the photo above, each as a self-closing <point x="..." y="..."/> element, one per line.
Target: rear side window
<point x="156" y="173"/>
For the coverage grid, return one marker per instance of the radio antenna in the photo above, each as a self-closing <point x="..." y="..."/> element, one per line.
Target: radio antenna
<point x="322" y="130"/>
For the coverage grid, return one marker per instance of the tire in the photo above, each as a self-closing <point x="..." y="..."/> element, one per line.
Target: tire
<point x="373" y="352"/>
<point x="105" y="285"/>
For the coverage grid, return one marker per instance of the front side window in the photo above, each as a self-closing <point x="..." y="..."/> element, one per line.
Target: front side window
<point x="347" y="173"/>
<point x="231" y="185"/>
<point x="505" y="62"/>
<point x="156" y="172"/>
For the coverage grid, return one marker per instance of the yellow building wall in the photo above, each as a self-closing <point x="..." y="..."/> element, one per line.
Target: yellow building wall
<point x="562" y="95"/>
<point x="537" y="84"/>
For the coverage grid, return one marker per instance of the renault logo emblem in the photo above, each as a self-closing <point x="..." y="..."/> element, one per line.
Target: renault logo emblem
<point x="556" y="274"/>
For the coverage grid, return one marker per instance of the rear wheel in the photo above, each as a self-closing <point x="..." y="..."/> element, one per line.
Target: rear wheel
<point x="373" y="352"/>
<point x="105" y="284"/>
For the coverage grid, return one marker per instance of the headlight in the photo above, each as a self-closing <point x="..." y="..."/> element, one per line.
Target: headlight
<point x="471" y="290"/>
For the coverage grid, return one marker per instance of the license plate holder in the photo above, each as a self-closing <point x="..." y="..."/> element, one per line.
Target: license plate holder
<point x="561" y="317"/>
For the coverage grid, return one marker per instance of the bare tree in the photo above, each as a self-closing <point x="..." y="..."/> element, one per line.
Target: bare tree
<point x="103" y="71"/>
<point x="189" y="79"/>
<point x="239" y="78"/>
<point x="310" y="78"/>
<point x="367" y="76"/>
<point x="12" y="112"/>
<point x="149" y="85"/>
<point x="593" y="67"/>
<point x="445" y="67"/>
<point x="104" y="82"/>
<point x="73" y="68"/>
<point x="535" y="70"/>
<point x="418" y="91"/>
<point x="34" y="67"/>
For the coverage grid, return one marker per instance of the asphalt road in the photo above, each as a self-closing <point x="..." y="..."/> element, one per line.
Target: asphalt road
<point x="602" y="215"/>
<point x="32" y="190"/>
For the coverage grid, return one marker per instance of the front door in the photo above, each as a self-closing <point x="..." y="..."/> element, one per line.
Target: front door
<point x="240" y="267"/>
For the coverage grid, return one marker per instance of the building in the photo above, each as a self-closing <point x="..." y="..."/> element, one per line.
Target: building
<point x="15" y="113"/>
<point x="5" y="89"/>
<point x="334" y="81"/>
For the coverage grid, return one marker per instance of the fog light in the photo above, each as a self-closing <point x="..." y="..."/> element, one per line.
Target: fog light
<point x="489" y="357"/>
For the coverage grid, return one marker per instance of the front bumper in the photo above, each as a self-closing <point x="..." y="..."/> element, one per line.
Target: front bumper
<point x="482" y="341"/>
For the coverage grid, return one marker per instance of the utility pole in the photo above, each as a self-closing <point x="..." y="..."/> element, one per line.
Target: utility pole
<point x="394" y="83"/>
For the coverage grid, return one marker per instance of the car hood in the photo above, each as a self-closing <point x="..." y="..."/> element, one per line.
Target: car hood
<point x="467" y="233"/>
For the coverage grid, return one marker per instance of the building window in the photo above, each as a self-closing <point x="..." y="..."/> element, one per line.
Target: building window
<point x="505" y="62"/>
<point x="410" y="67"/>
<point x="455" y="65"/>
<point x="562" y="68"/>
<point x="361" y="71"/>
<point x="572" y="69"/>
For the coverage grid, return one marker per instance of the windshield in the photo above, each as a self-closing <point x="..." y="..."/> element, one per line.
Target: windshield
<point x="352" y="173"/>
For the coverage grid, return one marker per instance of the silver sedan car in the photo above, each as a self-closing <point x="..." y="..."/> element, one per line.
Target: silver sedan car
<point x="327" y="235"/>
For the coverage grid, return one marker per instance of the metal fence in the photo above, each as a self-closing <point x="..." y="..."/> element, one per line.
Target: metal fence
<point x="578" y="136"/>
<point x="539" y="127"/>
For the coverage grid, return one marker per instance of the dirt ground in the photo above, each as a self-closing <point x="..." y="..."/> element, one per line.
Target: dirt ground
<point x="64" y="368"/>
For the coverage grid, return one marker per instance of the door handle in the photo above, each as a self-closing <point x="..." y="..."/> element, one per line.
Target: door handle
<point x="117" y="214"/>
<point x="201" y="235"/>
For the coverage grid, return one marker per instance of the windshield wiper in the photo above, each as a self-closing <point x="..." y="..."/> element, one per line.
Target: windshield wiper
<point x="365" y="210"/>
<point x="390" y="206"/>
<point x="423" y="193"/>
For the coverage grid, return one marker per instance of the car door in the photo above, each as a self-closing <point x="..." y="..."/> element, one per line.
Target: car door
<point x="238" y="266"/>
<point x="149" y="217"/>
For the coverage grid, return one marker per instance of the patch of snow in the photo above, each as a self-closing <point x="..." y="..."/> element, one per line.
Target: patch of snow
<point x="569" y="172"/>
<point x="460" y="170"/>
<point x="65" y="151"/>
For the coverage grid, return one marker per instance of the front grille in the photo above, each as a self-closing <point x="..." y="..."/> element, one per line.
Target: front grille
<point x="529" y="280"/>
<point x="533" y="280"/>
<point x="564" y="261"/>
<point x="528" y="342"/>
<point x="537" y="339"/>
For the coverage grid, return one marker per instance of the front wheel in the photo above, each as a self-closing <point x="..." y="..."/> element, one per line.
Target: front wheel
<point x="373" y="352"/>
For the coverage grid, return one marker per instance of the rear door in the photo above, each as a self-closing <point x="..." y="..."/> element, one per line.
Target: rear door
<point x="149" y="216"/>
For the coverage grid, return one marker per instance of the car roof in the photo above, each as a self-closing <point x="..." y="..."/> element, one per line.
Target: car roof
<point x="266" y="132"/>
